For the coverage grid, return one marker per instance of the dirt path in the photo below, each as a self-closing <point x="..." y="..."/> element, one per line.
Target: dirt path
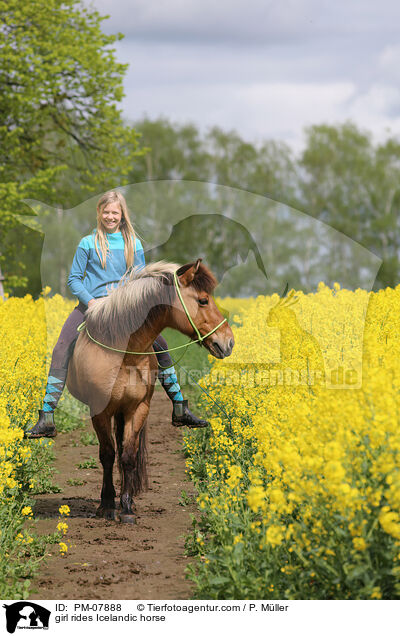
<point x="106" y="559"/>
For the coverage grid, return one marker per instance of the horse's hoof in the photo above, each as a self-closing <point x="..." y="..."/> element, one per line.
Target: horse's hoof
<point x="124" y="518"/>
<point x="106" y="513"/>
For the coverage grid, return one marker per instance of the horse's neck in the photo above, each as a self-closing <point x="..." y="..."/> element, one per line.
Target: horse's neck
<point x="143" y="338"/>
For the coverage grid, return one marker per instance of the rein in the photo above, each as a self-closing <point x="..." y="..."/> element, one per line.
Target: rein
<point x="200" y="338"/>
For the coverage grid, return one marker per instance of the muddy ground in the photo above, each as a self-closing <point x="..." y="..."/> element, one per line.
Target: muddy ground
<point x="107" y="559"/>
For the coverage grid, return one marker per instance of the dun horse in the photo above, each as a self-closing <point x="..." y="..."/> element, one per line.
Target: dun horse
<point x="118" y="384"/>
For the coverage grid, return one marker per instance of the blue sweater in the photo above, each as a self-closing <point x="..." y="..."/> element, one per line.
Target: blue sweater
<point x="87" y="278"/>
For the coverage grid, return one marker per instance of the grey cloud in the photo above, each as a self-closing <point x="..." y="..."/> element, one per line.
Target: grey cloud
<point x="213" y="64"/>
<point x="248" y="22"/>
<point x="298" y="40"/>
<point x="237" y="64"/>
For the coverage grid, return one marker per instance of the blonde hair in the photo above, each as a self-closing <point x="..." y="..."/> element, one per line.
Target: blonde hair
<point x="125" y="227"/>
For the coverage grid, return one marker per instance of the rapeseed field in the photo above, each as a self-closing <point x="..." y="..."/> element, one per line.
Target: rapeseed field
<point x="25" y="466"/>
<point x="299" y="485"/>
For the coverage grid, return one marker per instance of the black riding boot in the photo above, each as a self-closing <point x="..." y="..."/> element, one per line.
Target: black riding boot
<point x="44" y="427"/>
<point x="182" y="416"/>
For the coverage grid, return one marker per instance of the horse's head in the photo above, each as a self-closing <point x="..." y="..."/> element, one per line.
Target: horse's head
<point x="196" y="284"/>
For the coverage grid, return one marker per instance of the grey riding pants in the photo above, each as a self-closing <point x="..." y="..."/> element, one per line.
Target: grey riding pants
<point x="65" y="343"/>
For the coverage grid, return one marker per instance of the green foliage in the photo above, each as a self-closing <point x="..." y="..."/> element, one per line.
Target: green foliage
<point x="341" y="178"/>
<point x="186" y="499"/>
<point x="76" y="482"/>
<point x="191" y="367"/>
<point x="15" y="567"/>
<point x="70" y="415"/>
<point x="234" y="562"/>
<point x="353" y="185"/>
<point x="88" y="463"/>
<point x="223" y="157"/>
<point x="61" y="132"/>
<point x="22" y="550"/>
<point x="41" y="465"/>
<point x="89" y="439"/>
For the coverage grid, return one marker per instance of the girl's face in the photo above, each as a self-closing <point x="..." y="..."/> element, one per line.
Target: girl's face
<point x="111" y="217"/>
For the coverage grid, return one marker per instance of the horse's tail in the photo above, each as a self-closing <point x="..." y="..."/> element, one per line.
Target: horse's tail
<point x="119" y="425"/>
<point x="140" y="479"/>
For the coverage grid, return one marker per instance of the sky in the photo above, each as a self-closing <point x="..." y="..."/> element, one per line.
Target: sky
<point x="264" y="68"/>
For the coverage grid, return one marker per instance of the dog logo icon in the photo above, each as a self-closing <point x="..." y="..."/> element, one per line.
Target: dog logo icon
<point x="26" y="615"/>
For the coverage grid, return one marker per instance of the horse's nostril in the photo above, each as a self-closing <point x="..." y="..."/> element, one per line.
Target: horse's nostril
<point x="218" y="349"/>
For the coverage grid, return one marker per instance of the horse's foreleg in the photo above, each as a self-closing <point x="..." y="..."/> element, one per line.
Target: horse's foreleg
<point x="102" y="426"/>
<point x="133" y="461"/>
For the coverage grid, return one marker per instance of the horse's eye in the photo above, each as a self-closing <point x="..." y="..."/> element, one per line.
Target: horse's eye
<point x="203" y="301"/>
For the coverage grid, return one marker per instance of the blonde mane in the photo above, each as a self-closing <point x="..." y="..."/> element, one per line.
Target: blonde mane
<point x="139" y="298"/>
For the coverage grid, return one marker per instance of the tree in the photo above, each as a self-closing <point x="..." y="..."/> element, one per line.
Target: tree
<point x="383" y="232"/>
<point x="175" y="152"/>
<point x="181" y="152"/>
<point x="353" y="185"/>
<point x="61" y="132"/>
<point x="338" y="164"/>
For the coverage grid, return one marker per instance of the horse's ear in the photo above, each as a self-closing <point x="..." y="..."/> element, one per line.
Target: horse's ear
<point x="196" y="267"/>
<point x="187" y="272"/>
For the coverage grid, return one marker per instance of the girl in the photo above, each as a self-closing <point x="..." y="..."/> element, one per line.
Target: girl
<point x="102" y="258"/>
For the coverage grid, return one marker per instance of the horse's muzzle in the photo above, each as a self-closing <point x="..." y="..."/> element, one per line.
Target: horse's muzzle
<point x="221" y="349"/>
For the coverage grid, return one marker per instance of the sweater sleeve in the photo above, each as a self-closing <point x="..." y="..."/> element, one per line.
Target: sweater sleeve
<point x="139" y="255"/>
<point x="77" y="273"/>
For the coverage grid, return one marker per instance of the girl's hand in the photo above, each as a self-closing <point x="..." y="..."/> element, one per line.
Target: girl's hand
<point x="92" y="302"/>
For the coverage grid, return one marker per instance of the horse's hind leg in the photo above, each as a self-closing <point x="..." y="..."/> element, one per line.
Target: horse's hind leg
<point x="102" y="426"/>
<point x="133" y="461"/>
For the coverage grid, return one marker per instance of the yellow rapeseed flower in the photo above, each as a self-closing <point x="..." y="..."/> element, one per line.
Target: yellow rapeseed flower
<point x="256" y="498"/>
<point x="62" y="527"/>
<point x="64" y="510"/>
<point x="359" y="543"/>
<point x="274" y="536"/>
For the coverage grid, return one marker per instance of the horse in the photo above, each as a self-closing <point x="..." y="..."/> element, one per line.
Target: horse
<point x="113" y="369"/>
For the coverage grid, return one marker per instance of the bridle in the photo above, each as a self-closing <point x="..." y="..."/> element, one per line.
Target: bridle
<point x="200" y="338"/>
